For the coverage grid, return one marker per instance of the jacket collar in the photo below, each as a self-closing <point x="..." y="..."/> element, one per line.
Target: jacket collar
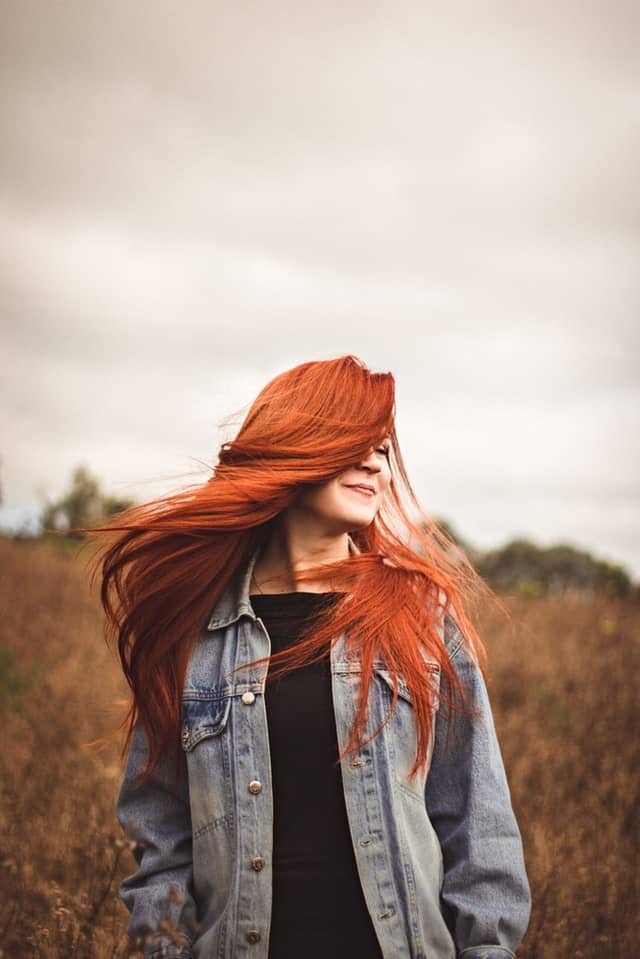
<point x="235" y="602"/>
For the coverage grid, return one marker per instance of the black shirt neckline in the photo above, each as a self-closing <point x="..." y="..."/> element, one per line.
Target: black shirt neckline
<point x="299" y="592"/>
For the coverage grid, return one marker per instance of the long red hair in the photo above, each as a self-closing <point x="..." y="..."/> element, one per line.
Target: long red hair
<point x="166" y="563"/>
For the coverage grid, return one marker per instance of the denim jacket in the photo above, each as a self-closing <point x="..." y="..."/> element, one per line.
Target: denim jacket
<point x="439" y="857"/>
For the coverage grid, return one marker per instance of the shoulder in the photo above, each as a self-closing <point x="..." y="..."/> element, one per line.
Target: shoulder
<point x="452" y="635"/>
<point x="447" y="626"/>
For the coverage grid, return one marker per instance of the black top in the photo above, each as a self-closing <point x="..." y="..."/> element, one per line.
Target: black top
<point x="318" y="905"/>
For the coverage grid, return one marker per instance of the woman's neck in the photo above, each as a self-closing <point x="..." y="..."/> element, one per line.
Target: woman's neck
<point x="289" y="552"/>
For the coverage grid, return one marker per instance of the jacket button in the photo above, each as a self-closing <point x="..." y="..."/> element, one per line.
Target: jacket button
<point x="185" y="734"/>
<point x="248" y="698"/>
<point x="255" y="787"/>
<point x="253" y="936"/>
<point x="257" y="863"/>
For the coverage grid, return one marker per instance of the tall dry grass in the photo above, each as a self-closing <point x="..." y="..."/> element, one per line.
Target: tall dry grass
<point x="564" y="686"/>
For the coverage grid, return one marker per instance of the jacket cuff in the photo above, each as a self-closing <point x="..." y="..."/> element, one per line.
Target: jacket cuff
<point x="168" y="952"/>
<point x="486" y="952"/>
<point x="166" y="947"/>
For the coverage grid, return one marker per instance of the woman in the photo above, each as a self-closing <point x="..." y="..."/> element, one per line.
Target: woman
<point x="312" y="764"/>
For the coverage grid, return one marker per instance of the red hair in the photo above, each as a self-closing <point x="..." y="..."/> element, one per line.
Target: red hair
<point x="167" y="562"/>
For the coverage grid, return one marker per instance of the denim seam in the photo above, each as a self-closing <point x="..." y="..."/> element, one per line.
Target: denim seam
<point x="407" y="791"/>
<point x="454" y="653"/>
<point x="210" y="826"/>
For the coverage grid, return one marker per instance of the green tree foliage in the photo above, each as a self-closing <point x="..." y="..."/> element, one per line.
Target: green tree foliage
<point x="523" y="567"/>
<point x="529" y="570"/>
<point x="83" y="505"/>
<point x="449" y="530"/>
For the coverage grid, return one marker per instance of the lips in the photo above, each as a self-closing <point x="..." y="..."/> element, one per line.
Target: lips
<point x="362" y="488"/>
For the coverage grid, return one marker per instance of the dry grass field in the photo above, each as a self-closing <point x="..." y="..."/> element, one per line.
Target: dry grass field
<point x="564" y="685"/>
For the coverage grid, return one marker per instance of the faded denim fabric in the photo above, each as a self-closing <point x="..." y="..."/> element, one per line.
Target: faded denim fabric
<point x="439" y="857"/>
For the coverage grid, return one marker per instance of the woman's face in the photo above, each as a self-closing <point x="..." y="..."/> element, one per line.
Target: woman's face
<point x="351" y="500"/>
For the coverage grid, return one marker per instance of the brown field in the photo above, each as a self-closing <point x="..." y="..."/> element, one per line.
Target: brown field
<point x="564" y="686"/>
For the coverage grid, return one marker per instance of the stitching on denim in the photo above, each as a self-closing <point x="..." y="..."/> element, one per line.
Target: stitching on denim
<point x="416" y="796"/>
<point x="451" y="629"/>
<point x="211" y="826"/>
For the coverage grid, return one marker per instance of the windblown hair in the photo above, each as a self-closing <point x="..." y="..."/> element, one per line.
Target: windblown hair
<point x="166" y="563"/>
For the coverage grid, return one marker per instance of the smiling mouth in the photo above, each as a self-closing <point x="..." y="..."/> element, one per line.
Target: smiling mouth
<point x="363" y="490"/>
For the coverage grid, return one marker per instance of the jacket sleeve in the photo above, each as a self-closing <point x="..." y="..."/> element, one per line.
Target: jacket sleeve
<point x="485" y="896"/>
<point x="156" y="819"/>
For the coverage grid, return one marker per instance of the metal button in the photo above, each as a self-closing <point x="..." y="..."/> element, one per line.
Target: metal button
<point x="253" y="936"/>
<point x="248" y="698"/>
<point x="257" y="863"/>
<point x="185" y="734"/>
<point x="387" y="913"/>
<point x="255" y="787"/>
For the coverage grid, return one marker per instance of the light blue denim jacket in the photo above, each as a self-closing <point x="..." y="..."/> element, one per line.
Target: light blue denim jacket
<point x="439" y="857"/>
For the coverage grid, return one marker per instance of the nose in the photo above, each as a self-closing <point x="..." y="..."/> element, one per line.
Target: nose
<point x="370" y="462"/>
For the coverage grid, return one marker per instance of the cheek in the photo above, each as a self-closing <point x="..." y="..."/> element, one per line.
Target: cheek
<point x="333" y="500"/>
<point x="321" y="499"/>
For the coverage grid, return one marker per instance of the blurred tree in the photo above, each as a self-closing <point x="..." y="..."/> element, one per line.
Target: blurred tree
<point x="529" y="570"/>
<point x="461" y="546"/>
<point x="84" y="505"/>
<point x="532" y="570"/>
<point x="449" y="530"/>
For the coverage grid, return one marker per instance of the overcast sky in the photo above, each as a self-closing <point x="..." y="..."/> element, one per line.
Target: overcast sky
<point x="196" y="196"/>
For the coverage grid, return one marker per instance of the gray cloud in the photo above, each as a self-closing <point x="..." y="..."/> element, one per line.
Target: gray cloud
<point x="193" y="201"/>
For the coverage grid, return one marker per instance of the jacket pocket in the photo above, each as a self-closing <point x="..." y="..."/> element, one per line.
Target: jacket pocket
<point x="400" y="730"/>
<point x="203" y="714"/>
<point x="433" y="670"/>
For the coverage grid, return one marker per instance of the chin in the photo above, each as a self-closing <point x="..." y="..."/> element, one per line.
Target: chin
<point x="359" y="520"/>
